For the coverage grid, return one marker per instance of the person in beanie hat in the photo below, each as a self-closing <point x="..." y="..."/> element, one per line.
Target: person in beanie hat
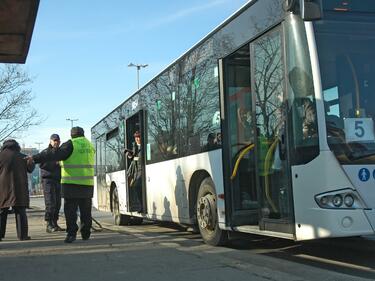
<point x="77" y="180"/>
<point x="51" y="175"/>
<point x="14" y="191"/>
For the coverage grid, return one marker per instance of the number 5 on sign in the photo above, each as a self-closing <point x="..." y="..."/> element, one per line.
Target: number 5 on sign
<point x="359" y="129"/>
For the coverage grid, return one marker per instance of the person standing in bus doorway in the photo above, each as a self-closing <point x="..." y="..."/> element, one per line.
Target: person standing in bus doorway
<point x="14" y="191"/>
<point x="77" y="180"/>
<point x="135" y="171"/>
<point x="51" y="176"/>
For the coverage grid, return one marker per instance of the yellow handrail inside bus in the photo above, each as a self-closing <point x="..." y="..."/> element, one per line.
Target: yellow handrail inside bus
<point x="267" y="163"/>
<point x="242" y="154"/>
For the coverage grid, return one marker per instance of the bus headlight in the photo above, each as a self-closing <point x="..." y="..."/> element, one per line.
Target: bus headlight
<point x="340" y="199"/>
<point x="324" y="200"/>
<point x="348" y="200"/>
<point x="337" y="200"/>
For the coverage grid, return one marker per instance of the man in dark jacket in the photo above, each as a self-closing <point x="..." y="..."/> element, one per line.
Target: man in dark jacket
<point x="51" y="176"/>
<point x="77" y="180"/>
<point x="14" y="191"/>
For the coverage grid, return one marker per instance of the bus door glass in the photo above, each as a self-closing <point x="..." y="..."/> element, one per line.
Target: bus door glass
<point x="100" y="172"/>
<point x="238" y="139"/>
<point x="135" y="164"/>
<point x="273" y="171"/>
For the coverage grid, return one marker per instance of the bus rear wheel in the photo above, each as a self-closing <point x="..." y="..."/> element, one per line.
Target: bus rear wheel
<point x="207" y="215"/>
<point x="119" y="218"/>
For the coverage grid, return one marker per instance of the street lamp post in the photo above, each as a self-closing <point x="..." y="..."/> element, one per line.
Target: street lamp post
<point x="38" y="143"/>
<point x="71" y="120"/>
<point x="138" y="66"/>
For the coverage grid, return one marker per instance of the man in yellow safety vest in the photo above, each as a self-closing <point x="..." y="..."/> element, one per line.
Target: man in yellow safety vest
<point x="77" y="180"/>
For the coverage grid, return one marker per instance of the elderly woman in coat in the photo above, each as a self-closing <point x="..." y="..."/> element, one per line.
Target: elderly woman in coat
<point x="14" y="190"/>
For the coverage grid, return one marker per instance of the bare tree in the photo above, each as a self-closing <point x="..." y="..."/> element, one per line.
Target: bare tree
<point x="16" y="113"/>
<point x="269" y="77"/>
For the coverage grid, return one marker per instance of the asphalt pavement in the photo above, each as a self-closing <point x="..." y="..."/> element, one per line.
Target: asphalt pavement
<point x="162" y="252"/>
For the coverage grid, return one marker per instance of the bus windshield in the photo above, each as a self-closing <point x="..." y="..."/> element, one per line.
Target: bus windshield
<point x="346" y="46"/>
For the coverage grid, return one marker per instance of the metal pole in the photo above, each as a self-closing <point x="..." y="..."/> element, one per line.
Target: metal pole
<point x="138" y="66"/>
<point x="38" y="143"/>
<point x="71" y="121"/>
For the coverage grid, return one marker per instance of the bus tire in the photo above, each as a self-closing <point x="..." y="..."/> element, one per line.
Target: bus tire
<point x="119" y="218"/>
<point x="207" y="217"/>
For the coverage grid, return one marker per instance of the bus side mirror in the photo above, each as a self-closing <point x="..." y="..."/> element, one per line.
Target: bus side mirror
<point x="311" y="9"/>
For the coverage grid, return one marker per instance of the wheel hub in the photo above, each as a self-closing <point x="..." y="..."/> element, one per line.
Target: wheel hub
<point x="206" y="214"/>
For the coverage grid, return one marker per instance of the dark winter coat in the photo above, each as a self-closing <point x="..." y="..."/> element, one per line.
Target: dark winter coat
<point x="50" y="169"/>
<point x="59" y="154"/>
<point x="135" y="167"/>
<point x="13" y="176"/>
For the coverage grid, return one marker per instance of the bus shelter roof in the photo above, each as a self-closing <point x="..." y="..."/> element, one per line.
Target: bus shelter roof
<point x="17" y="19"/>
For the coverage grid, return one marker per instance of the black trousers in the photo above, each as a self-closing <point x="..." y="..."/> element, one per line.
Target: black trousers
<point x="21" y="222"/>
<point x="52" y="200"/>
<point x="135" y="194"/>
<point x="71" y="206"/>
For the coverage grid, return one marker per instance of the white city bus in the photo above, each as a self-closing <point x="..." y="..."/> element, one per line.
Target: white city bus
<point x="265" y="126"/>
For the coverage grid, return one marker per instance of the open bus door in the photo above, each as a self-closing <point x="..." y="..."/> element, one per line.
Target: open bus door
<point x="238" y="139"/>
<point x="135" y="166"/>
<point x="257" y="179"/>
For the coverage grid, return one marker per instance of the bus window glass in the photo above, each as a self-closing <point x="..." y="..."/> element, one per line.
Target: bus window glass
<point x="303" y="140"/>
<point x="271" y="127"/>
<point x="347" y="66"/>
<point x="199" y="103"/>
<point x="241" y="129"/>
<point x="100" y="170"/>
<point x="364" y="6"/>
<point x="162" y="123"/>
<point x="114" y="156"/>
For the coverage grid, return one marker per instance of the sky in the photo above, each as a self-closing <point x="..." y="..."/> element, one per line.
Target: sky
<point x="80" y="51"/>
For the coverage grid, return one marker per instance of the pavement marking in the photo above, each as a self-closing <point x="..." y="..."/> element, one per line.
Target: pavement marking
<point x="334" y="262"/>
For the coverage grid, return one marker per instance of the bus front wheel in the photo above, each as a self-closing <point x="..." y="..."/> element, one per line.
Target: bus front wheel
<point x="119" y="218"/>
<point x="207" y="215"/>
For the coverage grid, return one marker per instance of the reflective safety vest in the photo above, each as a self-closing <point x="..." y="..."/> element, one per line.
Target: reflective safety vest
<point x="79" y="167"/>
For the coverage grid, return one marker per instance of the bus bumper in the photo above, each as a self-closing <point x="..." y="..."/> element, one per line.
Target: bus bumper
<point x="370" y="214"/>
<point x="326" y="223"/>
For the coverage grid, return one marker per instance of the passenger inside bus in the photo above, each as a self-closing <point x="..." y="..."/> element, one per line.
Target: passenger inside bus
<point x="245" y="130"/>
<point x="218" y="139"/>
<point x="303" y="91"/>
<point x="211" y="142"/>
<point x="309" y="128"/>
<point x="135" y="171"/>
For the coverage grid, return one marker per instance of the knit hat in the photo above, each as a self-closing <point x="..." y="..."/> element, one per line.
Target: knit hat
<point x="54" y="137"/>
<point x="76" y="132"/>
